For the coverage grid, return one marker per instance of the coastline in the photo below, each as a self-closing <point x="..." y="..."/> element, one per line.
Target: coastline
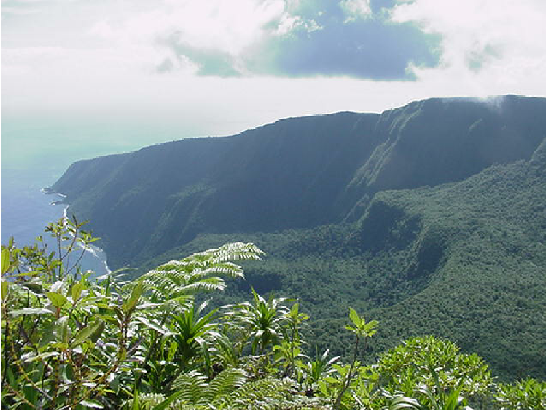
<point x="95" y="258"/>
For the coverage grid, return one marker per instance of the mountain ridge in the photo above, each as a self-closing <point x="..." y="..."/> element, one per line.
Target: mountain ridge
<point x="430" y="218"/>
<point x="294" y="173"/>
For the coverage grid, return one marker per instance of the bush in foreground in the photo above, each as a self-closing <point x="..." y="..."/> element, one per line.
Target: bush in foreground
<point x="69" y="342"/>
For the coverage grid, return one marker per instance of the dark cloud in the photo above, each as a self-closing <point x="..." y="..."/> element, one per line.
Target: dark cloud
<point x="324" y="42"/>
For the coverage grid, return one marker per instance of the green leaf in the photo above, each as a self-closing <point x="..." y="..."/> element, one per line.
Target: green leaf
<point x="172" y="350"/>
<point x="31" y="311"/>
<point x="294" y="310"/>
<point x="92" y="333"/>
<point x="62" y="329"/>
<point x="130" y="304"/>
<point x="57" y="286"/>
<point x="369" y="328"/>
<point x="91" y="403"/>
<point x="57" y="299"/>
<point x="404" y="403"/>
<point x="42" y="356"/>
<point x="351" y="328"/>
<point x="4" y="290"/>
<point x="59" y="345"/>
<point x="165" y="403"/>
<point x="6" y="262"/>
<point x="135" y="405"/>
<point x="76" y="291"/>
<point x="357" y="320"/>
<point x="154" y="326"/>
<point x="28" y="274"/>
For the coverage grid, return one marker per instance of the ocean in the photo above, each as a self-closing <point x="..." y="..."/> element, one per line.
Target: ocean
<point x="27" y="210"/>
<point x="37" y="150"/>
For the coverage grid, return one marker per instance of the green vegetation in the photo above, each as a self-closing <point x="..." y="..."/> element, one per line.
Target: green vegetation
<point x="72" y="343"/>
<point x="430" y="218"/>
<point x="463" y="261"/>
<point x="297" y="173"/>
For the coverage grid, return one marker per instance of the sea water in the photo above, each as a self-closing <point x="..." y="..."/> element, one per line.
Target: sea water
<point x="27" y="209"/>
<point x="36" y="150"/>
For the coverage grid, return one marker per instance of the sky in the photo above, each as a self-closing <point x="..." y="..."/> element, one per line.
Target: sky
<point x="90" y="77"/>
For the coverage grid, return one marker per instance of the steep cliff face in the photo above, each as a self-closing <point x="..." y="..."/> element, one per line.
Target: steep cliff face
<point x="463" y="260"/>
<point x="429" y="218"/>
<point x="436" y="141"/>
<point x="286" y="174"/>
<point x="295" y="173"/>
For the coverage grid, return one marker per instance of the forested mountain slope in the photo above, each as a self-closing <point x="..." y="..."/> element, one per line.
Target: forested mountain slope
<point x="465" y="260"/>
<point x="295" y="173"/>
<point x="430" y="218"/>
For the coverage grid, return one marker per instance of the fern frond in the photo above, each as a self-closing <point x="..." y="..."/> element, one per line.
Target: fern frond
<point x="236" y="251"/>
<point x="150" y="401"/>
<point x="268" y="393"/>
<point x="207" y="285"/>
<point x="193" y="385"/>
<point x="254" y="392"/>
<point x="195" y="390"/>
<point x="198" y="272"/>
<point x="226" y="382"/>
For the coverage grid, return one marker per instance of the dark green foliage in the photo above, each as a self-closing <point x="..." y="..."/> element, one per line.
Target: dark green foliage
<point x="73" y="344"/>
<point x="463" y="261"/>
<point x="524" y="394"/>
<point x="428" y="362"/>
<point x="65" y="339"/>
<point x="461" y="258"/>
<point x="295" y="173"/>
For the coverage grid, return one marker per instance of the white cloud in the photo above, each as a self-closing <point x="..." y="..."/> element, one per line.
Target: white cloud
<point x="287" y="23"/>
<point x="17" y="11"/>
<point x="233" y="29"/>
<point x="290" y="23"/>
<point x="226" y="27"/>
<point x="25" y="7"/>
<point x="488" y="46"/>
<point x="355" y="9"/>
<point x="112" y="61"/>
<point x="92" y="65"/>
